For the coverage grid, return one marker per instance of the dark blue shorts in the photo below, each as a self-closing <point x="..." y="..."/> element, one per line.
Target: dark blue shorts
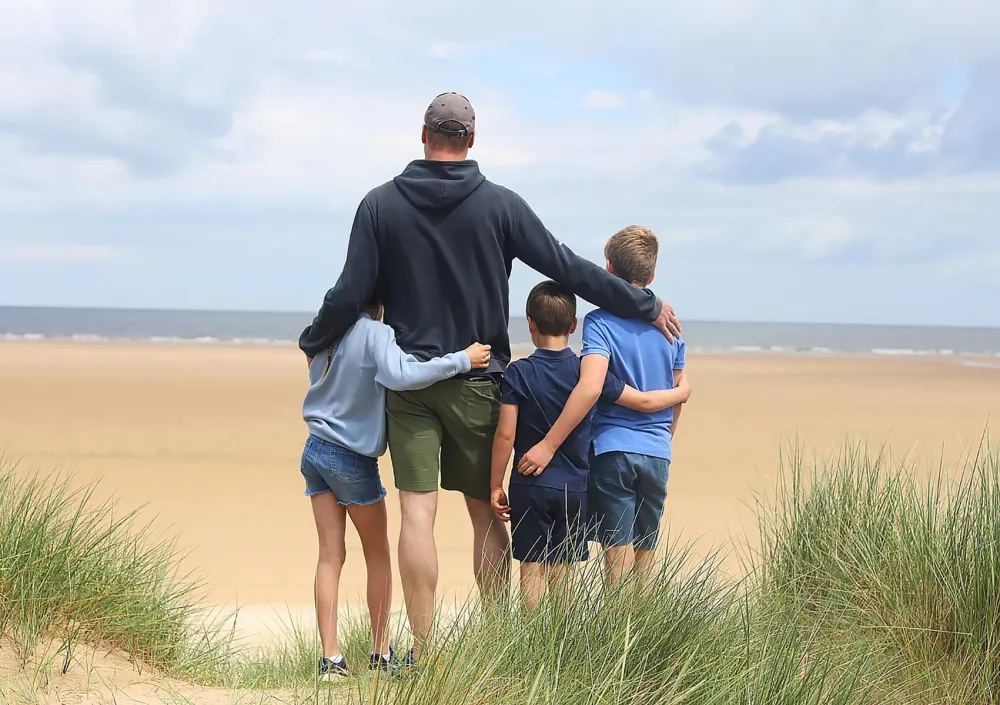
<point x="548" y="525"/>
<point x="627" y="492"/>
<point x="329" y="467"/>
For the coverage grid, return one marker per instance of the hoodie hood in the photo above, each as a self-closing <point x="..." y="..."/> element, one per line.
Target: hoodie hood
<point x="431" y="185"/>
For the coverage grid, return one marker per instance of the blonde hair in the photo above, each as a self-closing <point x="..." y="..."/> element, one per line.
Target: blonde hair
<point x="632" y="253"/>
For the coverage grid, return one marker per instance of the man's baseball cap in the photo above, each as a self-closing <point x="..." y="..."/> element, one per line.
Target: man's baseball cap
<point x="451" y="114"/>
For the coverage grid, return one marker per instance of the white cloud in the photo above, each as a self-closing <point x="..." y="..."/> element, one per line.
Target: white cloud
<point x="29" y="253"/>
<point x="336" y="55"/>
<point x="213" y="111"/>
<point x="444" y="50"/>
<point x="604" y="100"/>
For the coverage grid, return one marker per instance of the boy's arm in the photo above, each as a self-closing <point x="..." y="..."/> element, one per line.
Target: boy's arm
<point x="593" y="370"/>
<point x="680" y="360"/>
<point x="679" y="378"/>
<point x="659" y="399"/>
<point x="503" y="446"/>
<point x="400" y="371"/>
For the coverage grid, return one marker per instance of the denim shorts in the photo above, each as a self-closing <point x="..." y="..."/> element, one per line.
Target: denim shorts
<point x="627" y="492"/>
<point x="548" y="525"/>
<point x="353" y="478"/>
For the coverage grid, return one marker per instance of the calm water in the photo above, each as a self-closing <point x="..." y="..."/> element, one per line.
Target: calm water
<point x="249" y="328"/>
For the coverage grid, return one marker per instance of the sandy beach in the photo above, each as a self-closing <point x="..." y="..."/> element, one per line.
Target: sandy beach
<point x="208" y="439"/>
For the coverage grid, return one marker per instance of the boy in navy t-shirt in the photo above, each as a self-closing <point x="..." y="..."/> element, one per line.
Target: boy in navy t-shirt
<point x="548" y="507"/>
<point x="631" y="451"/>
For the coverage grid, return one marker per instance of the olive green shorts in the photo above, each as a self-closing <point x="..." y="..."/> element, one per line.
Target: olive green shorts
<point x="447" y="430"/>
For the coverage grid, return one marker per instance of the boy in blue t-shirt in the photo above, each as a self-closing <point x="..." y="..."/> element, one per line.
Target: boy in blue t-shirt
<point x="630" y="459"/>
<point x="548" y="506"/>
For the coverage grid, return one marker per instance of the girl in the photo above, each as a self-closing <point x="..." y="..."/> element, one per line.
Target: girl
<point x="345" y="412"/>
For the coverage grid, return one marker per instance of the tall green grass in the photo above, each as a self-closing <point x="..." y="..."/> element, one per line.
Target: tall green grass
<point x="75" y="571"/>
<point x="868" y="545"/>
<point x="874" y="582"/>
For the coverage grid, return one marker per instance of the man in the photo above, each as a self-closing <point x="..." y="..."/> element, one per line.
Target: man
<point x="436" y="245"/>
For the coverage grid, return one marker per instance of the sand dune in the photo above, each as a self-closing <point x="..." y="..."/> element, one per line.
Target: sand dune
<point x="208" y="438"/>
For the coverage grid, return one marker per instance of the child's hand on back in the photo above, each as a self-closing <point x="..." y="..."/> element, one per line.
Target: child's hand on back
<point x="479" y="355"/>
<point x="500" y="504"/>
<point x="537" y="459"/>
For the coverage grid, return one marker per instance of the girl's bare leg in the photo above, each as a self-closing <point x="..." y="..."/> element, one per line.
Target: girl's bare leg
<point x="331" y="520"/>
<point x="370" y="521"/>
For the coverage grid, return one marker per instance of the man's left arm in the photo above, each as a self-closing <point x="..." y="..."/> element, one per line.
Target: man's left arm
<point x="538" y="248"/>
<point x="342" y="304"/>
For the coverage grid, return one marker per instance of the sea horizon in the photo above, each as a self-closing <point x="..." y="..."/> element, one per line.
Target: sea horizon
<point x="281" y="328"/>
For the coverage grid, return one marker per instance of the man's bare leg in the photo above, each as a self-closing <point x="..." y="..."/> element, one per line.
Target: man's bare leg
<point x="491" y="550"/>
<point x="418" y="563"/>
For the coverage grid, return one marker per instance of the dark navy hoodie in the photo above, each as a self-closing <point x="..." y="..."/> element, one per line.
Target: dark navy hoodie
<point x="436" y="245"/>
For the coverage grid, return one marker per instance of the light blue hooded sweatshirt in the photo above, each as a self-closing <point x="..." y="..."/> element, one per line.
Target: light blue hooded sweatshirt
<point x="345" y="403"/>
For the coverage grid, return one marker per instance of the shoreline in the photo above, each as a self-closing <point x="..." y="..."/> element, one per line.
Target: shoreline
<point x="986" y="359"/>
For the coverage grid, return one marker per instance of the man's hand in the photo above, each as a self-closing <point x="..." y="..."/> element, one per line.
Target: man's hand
<point x="500" y="504"/>
<point x="537" y="459"/>
<point x="667" y="321"/>
<point x="479" y="355"/>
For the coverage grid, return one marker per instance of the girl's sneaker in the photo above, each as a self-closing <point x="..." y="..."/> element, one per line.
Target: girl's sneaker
<point x="381" y="663"/>
<point x="333" y="669"/>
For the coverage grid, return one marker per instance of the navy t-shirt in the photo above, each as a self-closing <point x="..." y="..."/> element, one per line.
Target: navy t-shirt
<point x="539" y="386"/>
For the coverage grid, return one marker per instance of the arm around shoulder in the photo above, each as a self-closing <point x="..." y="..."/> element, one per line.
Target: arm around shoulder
<point x="539" y="249"/>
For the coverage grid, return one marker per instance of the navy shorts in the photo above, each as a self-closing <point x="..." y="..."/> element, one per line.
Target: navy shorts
<point x="627" y="492"/>
<point x="548" y="525"/>
<point x="329" y="467"/>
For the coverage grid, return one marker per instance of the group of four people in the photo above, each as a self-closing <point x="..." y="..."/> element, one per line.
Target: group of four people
<point x="410" y="350"/>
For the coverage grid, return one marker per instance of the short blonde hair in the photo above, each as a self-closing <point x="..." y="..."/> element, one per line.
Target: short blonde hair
<point x="632" y="252"/>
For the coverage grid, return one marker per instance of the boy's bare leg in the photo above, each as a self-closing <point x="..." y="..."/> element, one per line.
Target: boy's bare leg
<point x="418" y="563"/>
<point x="644" y="567"/>
<point x="331" y="520"/>
<point x="491" y="550"/>
<point x="562" y="583"/>
<point x="534" y="577"/>
<point x="370" y="521"/>
<point x="618" y="561"/>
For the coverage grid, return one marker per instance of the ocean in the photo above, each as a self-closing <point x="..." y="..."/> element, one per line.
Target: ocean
<point x="282" y="329"/>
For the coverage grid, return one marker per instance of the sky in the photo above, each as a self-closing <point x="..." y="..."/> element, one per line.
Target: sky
<point x="823" y="161"/>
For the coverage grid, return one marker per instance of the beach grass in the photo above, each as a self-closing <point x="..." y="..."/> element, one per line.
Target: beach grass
<point x="875" y="581"/>
<point x="74" y="571"/>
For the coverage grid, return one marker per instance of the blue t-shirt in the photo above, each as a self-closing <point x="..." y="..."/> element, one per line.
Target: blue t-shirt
<point x="539" y="386"/>
<point x="641" y="357"/>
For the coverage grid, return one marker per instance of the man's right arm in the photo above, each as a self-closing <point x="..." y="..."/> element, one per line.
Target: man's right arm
<point x="538" y="248"/>
<point x="342" y="304"/>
